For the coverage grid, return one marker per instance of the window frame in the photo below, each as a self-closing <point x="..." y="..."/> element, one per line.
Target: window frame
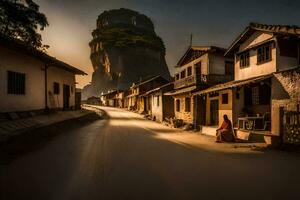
<point x="177" y="105"/>
<point x="255" y="95"/>
<point x="182" y="74"/>
<point x="56" y="88"/>
<point x="225" y="98"/>
<point x="198" y="68"/>
<point x="16" y="83"/>
<point x="189" y="71"/>
<point x="244" y="59"/>
<point x="264" y="56"/>
<point x="187" y="104"/>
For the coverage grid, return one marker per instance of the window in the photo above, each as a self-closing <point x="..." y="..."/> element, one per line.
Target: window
<point x="177" y="105"/>
<point x="255" y="96"/>
<point x="245" y="59"/>
<point x="177" y="77"/>
<point x="229" y="68"/>
<point x="15" y="83"/>
<point x="56" y="88"/>
<point x="225" y="98"/>
<point x="187" y="104"/>
<point x="264" y="54"/>
<point x="198" y="68"/>
<point x="189" y="71"/>
<point x="182" y="74"/>
<point x="157" y="101"/>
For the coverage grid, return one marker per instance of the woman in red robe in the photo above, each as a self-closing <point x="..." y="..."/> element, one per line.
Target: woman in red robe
<point x="224" y="133"/>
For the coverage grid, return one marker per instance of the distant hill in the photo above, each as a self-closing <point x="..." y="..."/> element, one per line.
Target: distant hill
<point x="124" y="49"/>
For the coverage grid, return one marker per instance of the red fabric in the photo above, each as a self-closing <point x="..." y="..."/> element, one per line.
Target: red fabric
<point x="226" y="125"/>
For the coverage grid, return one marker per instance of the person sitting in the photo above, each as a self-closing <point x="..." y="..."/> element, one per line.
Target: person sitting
<point x="224" y="133"/>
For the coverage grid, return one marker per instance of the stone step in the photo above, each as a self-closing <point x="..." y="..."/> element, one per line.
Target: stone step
<point x="209" y="130"/>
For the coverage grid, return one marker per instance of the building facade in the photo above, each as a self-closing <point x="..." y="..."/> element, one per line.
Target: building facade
<point x="161" y="106"/>
<point x="262" y="54"/>
<point x="33" y="80"/>
<point x="136" y="100"/>
<point x="199" y="68"/>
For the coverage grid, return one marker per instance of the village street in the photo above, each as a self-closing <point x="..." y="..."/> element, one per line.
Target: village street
<point x="127" y="157"/>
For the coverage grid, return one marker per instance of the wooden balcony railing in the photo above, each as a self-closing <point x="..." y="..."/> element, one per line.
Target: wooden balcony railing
<point x="205" y="80"/>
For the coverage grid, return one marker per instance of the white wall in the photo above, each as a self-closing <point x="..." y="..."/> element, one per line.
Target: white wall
<point x="226" y="109"/>
<point x="157" y="111"/>
<point x="256" y="38"/>
<point x="254" y="69"/>
<point x="62" y="77"/>
<point x="34" y="98"/>
<point x="204" y="65"/>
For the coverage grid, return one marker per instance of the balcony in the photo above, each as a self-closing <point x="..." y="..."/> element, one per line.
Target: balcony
<point x="205" y="80"/>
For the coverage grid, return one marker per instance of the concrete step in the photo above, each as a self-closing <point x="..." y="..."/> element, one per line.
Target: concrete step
<point x="209" y="130"/>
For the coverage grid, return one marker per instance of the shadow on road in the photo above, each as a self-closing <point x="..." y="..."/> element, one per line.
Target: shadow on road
<point x="36" y="139"/>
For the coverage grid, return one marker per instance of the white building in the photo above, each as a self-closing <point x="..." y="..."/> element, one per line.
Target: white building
<point x="31" y="80"/>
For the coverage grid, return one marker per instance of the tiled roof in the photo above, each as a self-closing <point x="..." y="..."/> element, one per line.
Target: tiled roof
<point x="249" y="30"/>
<point x="181" y="91"/>
<point x="276" y="28"/>
<point x="158" y="88"/>
<point x="233" y="84"/>
<point x="203" y="49"/>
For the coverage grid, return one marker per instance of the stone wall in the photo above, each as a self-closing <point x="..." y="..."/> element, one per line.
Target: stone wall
<point x="285" y="94"/>
<point x="182" y="114"/>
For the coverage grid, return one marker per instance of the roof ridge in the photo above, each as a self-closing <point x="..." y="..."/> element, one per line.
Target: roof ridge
<point x="276" y="27"/>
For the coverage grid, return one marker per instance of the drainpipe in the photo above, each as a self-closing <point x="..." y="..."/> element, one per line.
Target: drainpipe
<point x="46" y="88"/>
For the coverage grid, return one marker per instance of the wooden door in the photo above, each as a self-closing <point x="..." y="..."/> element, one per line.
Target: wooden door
<point x="66" y="96"/>
<point x="214" y="112"/>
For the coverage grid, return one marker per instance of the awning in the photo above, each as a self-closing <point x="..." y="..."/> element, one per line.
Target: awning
<point x="180" y="91"/>
<point x="156" y="89"/>
<point x="233" y="84"/>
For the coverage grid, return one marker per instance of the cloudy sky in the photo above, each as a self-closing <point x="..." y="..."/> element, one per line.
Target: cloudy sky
<point x="212" y="22"/>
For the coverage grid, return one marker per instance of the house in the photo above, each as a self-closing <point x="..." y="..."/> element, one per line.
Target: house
<point x="161" y="105"/>
<point x="263" y="55"/>
<point x="121" y="98"/>
<point x="93" y="100"/>
<point x="199" y="68"/>
<point x="136" y="100"/>
<point x="109" y="98"/>
<point x="31" y="80"/>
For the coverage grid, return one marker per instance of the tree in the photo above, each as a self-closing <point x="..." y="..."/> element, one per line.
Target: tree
<point x="21" y="19"/>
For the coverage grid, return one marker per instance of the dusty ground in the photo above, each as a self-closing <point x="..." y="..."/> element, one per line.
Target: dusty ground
<point x="127" y="157"/>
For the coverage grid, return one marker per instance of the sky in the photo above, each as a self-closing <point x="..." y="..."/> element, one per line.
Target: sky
<point x="212" y="22"/>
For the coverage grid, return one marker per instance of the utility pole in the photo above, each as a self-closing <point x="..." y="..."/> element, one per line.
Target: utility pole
<point x="191" y="40"/>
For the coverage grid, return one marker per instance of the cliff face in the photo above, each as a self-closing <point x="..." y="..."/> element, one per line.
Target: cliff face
<point x="124" y="49"/>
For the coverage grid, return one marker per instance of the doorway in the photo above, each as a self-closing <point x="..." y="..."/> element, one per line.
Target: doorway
<point x="66" y="96"/>
<point x="214" y="112"/>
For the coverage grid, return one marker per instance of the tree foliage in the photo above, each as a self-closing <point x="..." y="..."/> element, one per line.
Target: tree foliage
<point x="21" y="19"/>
